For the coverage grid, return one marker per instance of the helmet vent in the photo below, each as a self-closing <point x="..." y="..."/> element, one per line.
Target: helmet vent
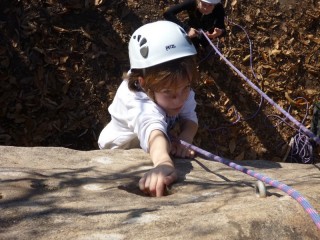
<point x="143" y="41"/>
<point x="144" y="51"/>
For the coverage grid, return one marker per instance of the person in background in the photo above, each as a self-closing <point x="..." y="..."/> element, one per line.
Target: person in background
<point x="155" y="95"/>
<point x="207" y="15"/>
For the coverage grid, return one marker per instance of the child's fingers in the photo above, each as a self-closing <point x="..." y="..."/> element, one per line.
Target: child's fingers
<point x="160" y="188"/>
<point x="154" y="182"/>
<point x="142" y="183"/>
<point x="153" y="185"/>
<point x="170" y="179"/>
<point x="173" y="151"/>
<point x="183" y="152"/>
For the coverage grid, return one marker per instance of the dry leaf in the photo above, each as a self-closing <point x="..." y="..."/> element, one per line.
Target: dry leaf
<point x="59" y="29"/>
<point x="63" y="59"/>
<point x="209" y="82"/>
<point x="246" y="58"/>
<point x="248" y="18"/>
<point x="275" y="52"/>
<point x="234" y="3"/>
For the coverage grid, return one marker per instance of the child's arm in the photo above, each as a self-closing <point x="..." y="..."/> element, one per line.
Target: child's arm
<point x="172" y="12"/>
<point x="188" y="131"/>
<point x="163" y="173"/>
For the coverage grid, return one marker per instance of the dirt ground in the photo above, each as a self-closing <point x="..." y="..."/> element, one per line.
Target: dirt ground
<point x="61" y="62"/>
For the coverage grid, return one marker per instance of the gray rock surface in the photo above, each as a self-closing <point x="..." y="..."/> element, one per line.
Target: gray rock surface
<point x="59" y="193"/>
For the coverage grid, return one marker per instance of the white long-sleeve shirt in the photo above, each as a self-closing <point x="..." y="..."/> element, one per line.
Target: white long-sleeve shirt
<point x="134" y="116"/>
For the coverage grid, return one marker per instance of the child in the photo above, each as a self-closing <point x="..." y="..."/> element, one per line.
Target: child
<point x="207" y="15"/>
<point x="155" y="94"/>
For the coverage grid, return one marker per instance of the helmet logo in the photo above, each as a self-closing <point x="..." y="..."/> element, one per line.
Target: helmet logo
<point x="170" y="47"/>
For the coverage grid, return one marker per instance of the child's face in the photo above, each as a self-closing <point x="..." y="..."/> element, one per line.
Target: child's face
<point x="172" y="99"/>
<point x="205" y="8"/>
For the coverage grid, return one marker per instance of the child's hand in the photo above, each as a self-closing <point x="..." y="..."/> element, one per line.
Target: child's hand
<point x="179" y="150"/>
<point x="154" y="182"/>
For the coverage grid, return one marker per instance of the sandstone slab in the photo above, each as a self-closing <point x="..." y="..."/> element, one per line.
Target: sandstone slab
<point x="59" y="193"/>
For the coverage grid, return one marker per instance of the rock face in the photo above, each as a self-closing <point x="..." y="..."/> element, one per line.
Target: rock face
<point x="59" y="193"/>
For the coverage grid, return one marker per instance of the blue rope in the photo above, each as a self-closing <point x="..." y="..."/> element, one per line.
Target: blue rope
<point x="283" y="187"/>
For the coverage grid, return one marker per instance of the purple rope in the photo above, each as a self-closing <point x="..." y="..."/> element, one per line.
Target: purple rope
<point x="284" y="119"/>
<point x="300" y="144"/>
<point x="251" y="67"/>
<point x="265" y="96"/>
<point x="283" y="187"/>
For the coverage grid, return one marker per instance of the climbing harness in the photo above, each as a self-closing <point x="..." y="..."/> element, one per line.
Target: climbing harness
<point x="260" y="189"/>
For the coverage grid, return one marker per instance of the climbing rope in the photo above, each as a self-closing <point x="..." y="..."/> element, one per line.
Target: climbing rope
<point x="301" y="150"/>
<point x="300" y="147"/>
<point x="253" y="73"/>
<point x="299" y="139"/>
<point x="283" y="187"/>
<point x="300" y="126"/>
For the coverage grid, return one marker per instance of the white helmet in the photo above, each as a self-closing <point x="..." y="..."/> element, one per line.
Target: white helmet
<point x="158" y="42"/>
<point x="211" y="1"/>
